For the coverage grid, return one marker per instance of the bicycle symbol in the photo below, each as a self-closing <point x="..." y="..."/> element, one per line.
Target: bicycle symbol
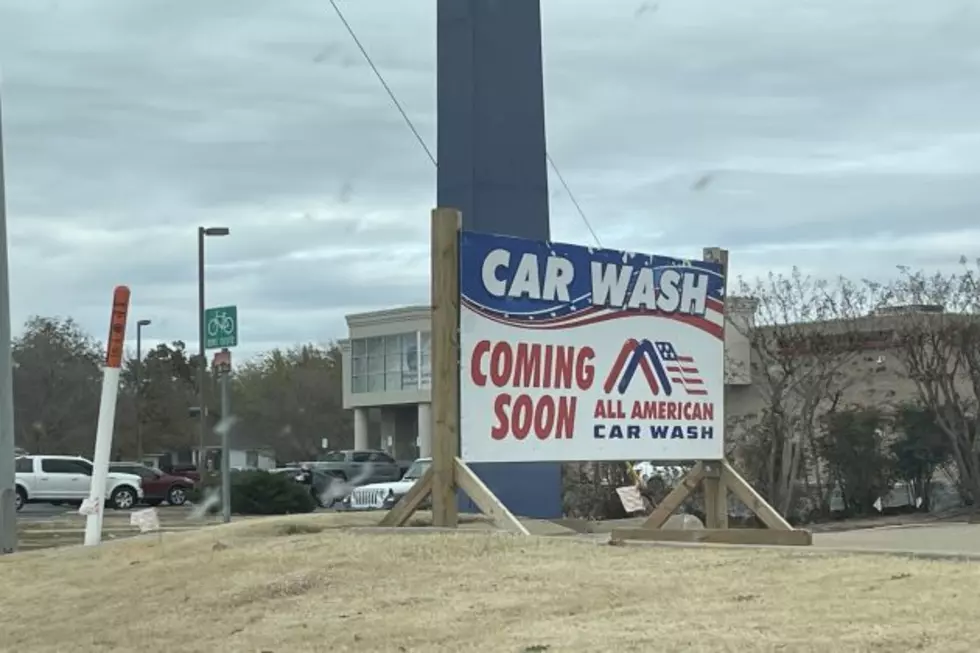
<point x="221" y="323"/>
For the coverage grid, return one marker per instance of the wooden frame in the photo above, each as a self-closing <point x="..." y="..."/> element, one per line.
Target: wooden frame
<point x="717" y="478"/>
<point x="448" y="471"/>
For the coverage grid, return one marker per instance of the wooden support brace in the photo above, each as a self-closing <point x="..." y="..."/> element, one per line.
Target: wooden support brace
<point x="715" y="491"/>
<point x="402" y="511"/>
<point x="752" y="499"/>
<point x="485" y="500"/>
<point x="469" y="483"/>
<point x="677" y="496"/>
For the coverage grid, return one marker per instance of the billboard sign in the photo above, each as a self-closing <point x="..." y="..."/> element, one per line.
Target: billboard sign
<point x="571" y="353"/>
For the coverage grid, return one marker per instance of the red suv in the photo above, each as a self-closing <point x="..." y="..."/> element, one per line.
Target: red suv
<point x="158" y="486"/>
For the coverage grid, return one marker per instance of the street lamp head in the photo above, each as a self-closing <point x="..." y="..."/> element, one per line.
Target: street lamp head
<point x="215" y="231"/>
<point x="144" y="323"/>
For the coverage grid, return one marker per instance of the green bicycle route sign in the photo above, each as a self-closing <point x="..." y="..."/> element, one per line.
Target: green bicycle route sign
<point x="221" y="327"/>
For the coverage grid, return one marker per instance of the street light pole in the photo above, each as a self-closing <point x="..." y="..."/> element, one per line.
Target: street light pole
<point x="8" y="506"/>
<point x="202" y="233"/>
<point x="139" y="388"/>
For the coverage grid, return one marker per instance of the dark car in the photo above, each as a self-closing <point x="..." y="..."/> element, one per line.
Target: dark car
<point x="320" y="481"/>
<point x="360" y="467"/>
<point x="158" y="486"/>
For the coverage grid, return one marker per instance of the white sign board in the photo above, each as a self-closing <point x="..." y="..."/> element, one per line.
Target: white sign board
<point x="631" y="499"/>
<point x="569" y="353"/>
<point x="146" y="520"/>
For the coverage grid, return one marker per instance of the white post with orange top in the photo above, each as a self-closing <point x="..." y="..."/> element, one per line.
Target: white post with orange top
<point x="95" y="505"/>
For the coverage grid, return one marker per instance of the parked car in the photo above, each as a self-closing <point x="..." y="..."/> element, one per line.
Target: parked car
<point x="186" y="471"/>
<point x="382" y="496"/>
<point x="359" y="467"/>
<point x="158" y="486"/>
<point x="68" y="479"/>
<point x="323" y="480"/>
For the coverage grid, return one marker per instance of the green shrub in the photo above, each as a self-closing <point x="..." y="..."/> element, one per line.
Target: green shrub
<point x="257" y="492"/>
<point x="854" y="448"/>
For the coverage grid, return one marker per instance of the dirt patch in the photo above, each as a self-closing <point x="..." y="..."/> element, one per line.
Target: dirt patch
<point x="299" y="528"/>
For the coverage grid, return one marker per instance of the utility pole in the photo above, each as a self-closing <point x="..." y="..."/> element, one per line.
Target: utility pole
<point x="222" y="365"/>
<point x="201" y="361"/>
<point x="226" y="445"/>
<point x="8" y="477"/>
<point x="139" y="388"/>
<point x="202" y="233"/>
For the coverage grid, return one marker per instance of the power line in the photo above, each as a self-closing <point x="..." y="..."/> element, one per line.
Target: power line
<point x="571" y="196"/>
<point x="418" y="136"/>
<point x="377" y="73"/>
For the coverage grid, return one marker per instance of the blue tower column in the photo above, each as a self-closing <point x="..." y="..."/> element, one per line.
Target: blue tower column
<point x="493" y="166"/>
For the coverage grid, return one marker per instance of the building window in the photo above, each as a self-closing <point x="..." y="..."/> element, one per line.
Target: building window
<point x="252" y="459"/>
<point x="425" y="359"/>
<point x="390" y="363"/>
<point x="375" y="364"/>
<point x="410" y="361"/>
<point x="358" y="359"/>
<point x="394" y="362"/>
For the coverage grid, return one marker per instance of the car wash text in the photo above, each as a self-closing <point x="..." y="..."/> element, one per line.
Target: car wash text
<point x="670" y="290"/>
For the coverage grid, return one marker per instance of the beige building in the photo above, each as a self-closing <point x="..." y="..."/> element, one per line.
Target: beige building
<point x="868" y="367"/>
<point x="387" y="380"/>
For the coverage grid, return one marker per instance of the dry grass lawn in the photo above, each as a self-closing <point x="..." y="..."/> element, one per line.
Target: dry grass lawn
<point x="277" y="585"/>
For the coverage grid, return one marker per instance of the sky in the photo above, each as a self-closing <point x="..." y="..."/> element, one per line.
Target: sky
<point x="841" y="136"/>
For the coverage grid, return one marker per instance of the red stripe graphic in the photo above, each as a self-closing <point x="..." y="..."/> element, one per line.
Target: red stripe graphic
<point x="701" y="323"/>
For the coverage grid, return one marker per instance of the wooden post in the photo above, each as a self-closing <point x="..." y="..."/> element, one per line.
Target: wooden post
<point x="715" y="492"/>
<point x="448" y="472"/>
<point x="445" y="365"/>
<point x="715" y="496"/>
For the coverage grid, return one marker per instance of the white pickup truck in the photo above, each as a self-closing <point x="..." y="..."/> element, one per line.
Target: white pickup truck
<point x="68" y="479"/>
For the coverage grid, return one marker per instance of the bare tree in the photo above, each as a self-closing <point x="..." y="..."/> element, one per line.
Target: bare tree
<point x="805" y="330"/>
<point x="937" y="340"/>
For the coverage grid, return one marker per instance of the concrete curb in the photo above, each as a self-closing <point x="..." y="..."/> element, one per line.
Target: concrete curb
<point x="951" y="556"/>
<point x="604" y="539"/>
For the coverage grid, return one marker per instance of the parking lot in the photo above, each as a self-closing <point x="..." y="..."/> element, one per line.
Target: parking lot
<point x="34" y="512"/>
<point x="42" y="525"/>
<point x="40" y="512"/>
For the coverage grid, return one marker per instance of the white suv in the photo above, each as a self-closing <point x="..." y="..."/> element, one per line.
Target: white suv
<point x="68" y="479"/>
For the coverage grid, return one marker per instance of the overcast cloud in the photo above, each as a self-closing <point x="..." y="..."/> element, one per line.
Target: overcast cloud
<point x="840" y="135"/>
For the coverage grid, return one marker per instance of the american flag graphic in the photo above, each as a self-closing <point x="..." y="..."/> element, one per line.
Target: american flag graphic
<point x="659" y="363"/>
<point x="682" y="369"/>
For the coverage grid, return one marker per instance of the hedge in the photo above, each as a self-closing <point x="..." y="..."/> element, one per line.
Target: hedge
<point x="257" y="492"/>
